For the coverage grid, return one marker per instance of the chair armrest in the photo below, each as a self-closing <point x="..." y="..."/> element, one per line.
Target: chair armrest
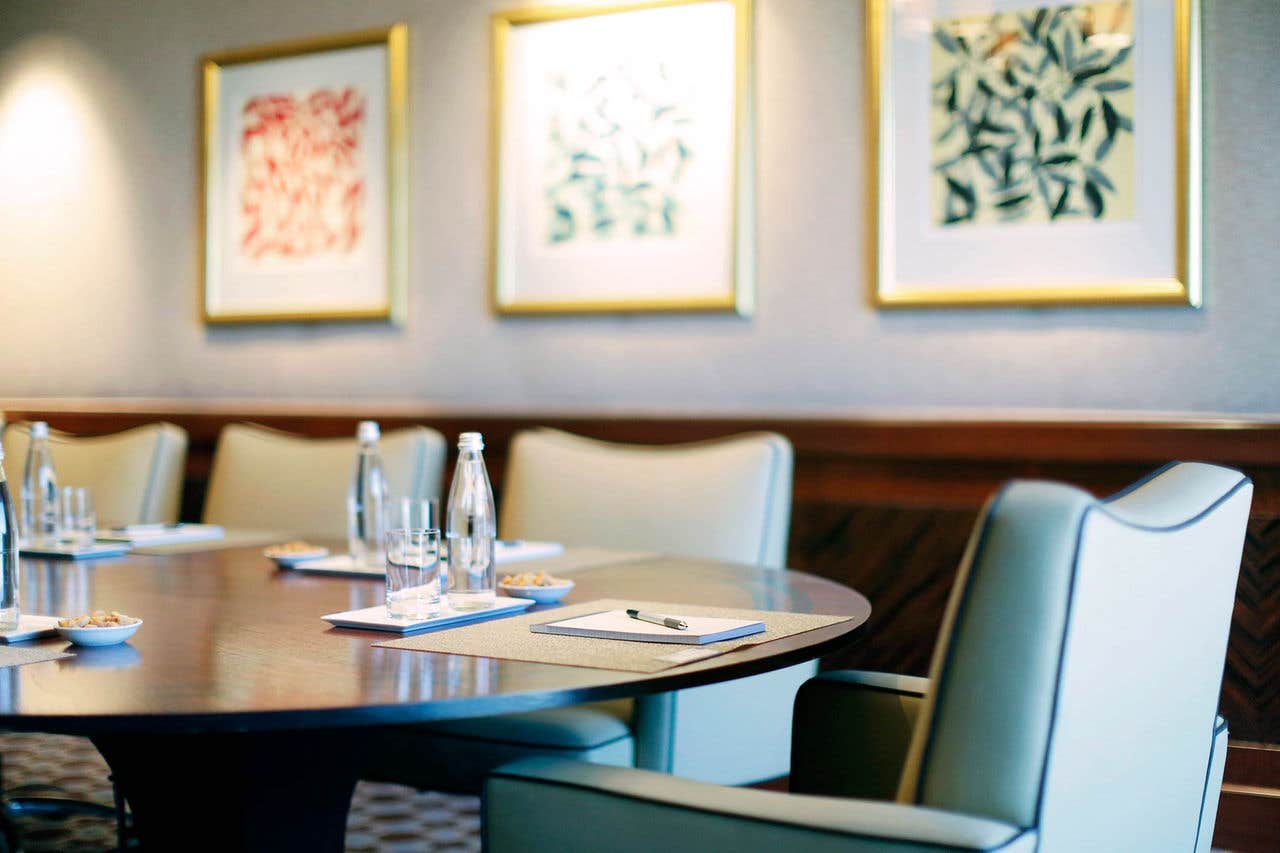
<point x="1212" y="786"/>
<point x="850" y="733"/>
<point x="553" y="804"/>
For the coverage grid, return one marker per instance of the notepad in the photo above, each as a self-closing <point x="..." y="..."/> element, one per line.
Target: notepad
<point x="617" y="625"/>
<point x="146" y="535"/>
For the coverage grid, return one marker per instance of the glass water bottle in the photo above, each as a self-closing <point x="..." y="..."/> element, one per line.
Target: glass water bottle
<point x="471" y="528"/>
<point x="367" y="501"/>
<point x="39" y="490"/>
<point x="9" y="576"/>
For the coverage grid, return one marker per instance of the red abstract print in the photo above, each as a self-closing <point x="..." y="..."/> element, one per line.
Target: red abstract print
<point x="304" y="187"/>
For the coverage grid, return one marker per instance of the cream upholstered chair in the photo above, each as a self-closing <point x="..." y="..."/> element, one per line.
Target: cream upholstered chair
<point x="271" y="480"/>
<point x="727" y="499"/>
<point x="136" y="474"/>
<point x="136" y="477"/>
<point x="1071" y="705"/>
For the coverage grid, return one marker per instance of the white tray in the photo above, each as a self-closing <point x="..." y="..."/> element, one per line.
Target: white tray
<point x="504" y="552"/>
<point x="31" y="627"/>
<point x="76" y="552"/>
<point x="376" y="619"/>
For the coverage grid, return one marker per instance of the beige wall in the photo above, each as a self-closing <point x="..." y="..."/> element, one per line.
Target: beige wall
<point x="98" y="241"/>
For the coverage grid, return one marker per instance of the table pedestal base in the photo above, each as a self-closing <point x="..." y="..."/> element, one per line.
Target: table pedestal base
<point x="270" y="791"/>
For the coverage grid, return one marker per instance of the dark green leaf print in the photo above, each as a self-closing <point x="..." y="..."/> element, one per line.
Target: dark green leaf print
<point x="1052" y="50"/>
<point x="1030" y="115"/>
<point x="1061" y="206"/>
<point x="1099" y="177"/>
<point x="1014" y="201"/>
<point x="1081" y="76"/>
<point x="963" y="190"/>
<point x="1094" y="197"/>
<point x="1037" y="27"/>
<point x="1110" y="118"/>
<point x="619" y="149"/>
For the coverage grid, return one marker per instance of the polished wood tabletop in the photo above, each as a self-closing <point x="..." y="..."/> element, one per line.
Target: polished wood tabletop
<point x="233" y="644"/>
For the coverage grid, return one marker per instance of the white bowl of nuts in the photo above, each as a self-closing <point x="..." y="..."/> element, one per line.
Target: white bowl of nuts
<point x="539" y="586"/>
<point x="289" y="553"/>
<point x="99" y="628"/>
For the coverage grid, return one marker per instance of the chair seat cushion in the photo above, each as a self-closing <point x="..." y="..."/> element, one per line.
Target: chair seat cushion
<point x="455" y="755"/>
<point x="577" y="727"/>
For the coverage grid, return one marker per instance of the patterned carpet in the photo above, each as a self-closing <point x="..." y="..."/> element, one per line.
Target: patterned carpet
<point x="384" y="818"/>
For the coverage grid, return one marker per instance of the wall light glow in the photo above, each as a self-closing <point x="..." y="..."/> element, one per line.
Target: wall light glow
<point x="42" y="135"/>
<point x="67" y="237"/>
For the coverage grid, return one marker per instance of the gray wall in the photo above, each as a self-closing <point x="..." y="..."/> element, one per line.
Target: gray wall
<point x="99" y="243"/>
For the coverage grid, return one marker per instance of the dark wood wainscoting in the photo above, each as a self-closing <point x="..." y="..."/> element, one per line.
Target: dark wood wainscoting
<point x="886" y="507"/>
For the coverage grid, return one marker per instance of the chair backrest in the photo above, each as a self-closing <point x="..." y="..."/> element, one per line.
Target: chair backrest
<point x="1076" y="679"/>
<point x="270" y="480"/>
<point x="727" y="499"/>
<point x="136" y="474"/>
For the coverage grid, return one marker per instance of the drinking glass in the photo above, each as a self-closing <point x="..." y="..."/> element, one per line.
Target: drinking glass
<point x="413" y="573"/>
<point x="79" y="520"/>
<point x="417" y="514"/>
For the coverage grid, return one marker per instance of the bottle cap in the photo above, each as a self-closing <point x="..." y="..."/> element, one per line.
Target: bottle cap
<point x="471" y="441"/>
<point x="39" y="429"/>
<point x="368" y="431"/>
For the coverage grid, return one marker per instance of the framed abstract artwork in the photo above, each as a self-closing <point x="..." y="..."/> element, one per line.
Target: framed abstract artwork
<point x="622" y="158"/>
<point x="1030" y="152"/>
<point x="305" y="180"/>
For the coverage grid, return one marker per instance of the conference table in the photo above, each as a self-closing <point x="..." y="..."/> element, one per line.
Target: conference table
<point x="236" y="719"/>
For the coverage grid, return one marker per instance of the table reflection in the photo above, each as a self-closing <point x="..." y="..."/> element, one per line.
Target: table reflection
<point x="56" y="587"/>
<point x="422" y="676"/>
<point x="10" y="690"/>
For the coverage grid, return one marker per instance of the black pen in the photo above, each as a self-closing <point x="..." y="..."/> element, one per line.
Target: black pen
<point x="656" y="619"/>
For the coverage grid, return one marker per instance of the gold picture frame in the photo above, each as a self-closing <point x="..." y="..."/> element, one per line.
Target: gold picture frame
<point x="1182" y="285"/>
<point x="386" y="274"/>
<point x="737" y="294"/>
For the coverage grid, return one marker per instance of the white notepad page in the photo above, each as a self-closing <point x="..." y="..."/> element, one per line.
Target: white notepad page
<point x="617" y="625"/>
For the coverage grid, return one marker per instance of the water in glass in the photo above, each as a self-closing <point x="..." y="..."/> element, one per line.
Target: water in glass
<point x="413" y="573"/>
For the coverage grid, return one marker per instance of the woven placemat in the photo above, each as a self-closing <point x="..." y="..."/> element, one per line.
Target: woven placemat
<point x="19" y="655"/>
<point x="511" y="639"/>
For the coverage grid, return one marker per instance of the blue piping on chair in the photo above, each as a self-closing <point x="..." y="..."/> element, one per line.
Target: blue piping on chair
<point x="1075" y="564"/>
<point x="1066" y="630"/>
<point x="157" y="454"/>
<point x="987" y="516"/>
<point x="774" y="455"/>
<point x="1132" y="487"/>
<point x="1057" y="681"/>
<point x="1186" y="522"/>
<point x="1208" y="771"/>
